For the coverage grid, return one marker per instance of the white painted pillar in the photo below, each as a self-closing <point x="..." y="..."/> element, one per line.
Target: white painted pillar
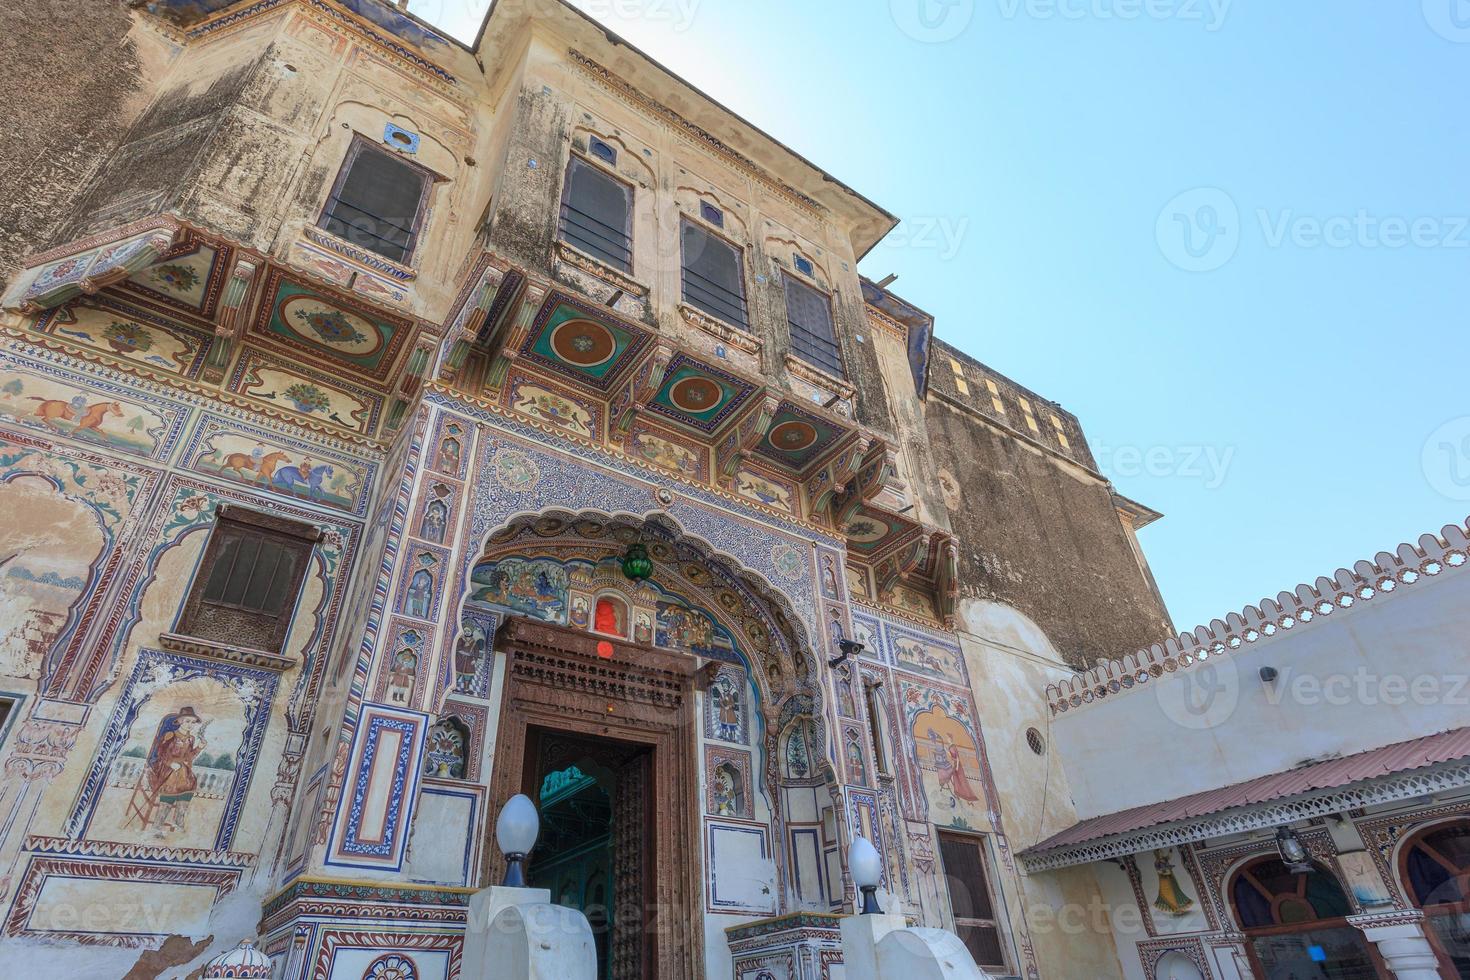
<point x="1399" y="936"/>
<point x="516" y="934"/>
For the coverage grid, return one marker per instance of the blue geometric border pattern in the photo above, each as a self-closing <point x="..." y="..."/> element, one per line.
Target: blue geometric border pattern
<point x="386" y="851"/>
<point x="155" y="670"/>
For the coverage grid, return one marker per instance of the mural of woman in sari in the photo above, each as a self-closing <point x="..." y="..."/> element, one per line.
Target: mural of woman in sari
<point x="952" y="773"/>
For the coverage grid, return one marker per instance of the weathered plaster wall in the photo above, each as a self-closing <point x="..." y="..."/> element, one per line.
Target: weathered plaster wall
<point x="85" y="68"/>
<point x="1041" y="534"/>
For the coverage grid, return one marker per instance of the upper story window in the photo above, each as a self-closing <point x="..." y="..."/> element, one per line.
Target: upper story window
<point x="712" y="214"/>
<point x="714" y="279"/>
<point x="597" y="214"/>
<point x="809" y="313"/>
<point x="249" y="579"/>
<point x="378" y="202"/>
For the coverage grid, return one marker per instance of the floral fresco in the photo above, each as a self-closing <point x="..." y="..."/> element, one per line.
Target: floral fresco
<point x="552" y="408"/>
<point x="306" y="393"/>
<point x="131" y="335"/>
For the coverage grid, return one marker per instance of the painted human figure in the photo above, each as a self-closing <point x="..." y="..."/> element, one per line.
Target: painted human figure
<point x="467" y="654"/>
<point x="729" y="708"/>
<point x="434" y="521"/>
<point x="643" y="629"/>
<point x="402" y="677"/>
<point x="78" y="406"/>
<point x="420" y="594"/>
<point x="170" y="773"/>
<point x="449" y="456"/>
<point x="1172" y="898"/>
<point x="952" y="773"/>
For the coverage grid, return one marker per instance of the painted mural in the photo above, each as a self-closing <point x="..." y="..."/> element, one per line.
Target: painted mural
<point x="176" y="759"/>
<point x="289" y="470"/>
<point x="535" y="588"/>
<point x="925" y="655"/>
<point x="947" y="754"/>
<point x="42" y="401"/>
<point x="60" y="517"/>
<point x="553" y="408"/>
<point x="765" y="490"/>
<point x="131" y="334"/>
<point x="474" y="653"/>
<point x="668" y="453"/>
<point x="309" y="394"/>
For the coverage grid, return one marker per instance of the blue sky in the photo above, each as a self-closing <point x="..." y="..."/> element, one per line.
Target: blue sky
<point x="1230" y="235"/>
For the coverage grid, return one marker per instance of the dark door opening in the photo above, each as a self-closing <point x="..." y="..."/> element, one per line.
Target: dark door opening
<point x="595" y="852"/>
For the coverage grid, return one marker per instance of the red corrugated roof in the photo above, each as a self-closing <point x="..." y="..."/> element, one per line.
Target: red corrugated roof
<point x="1331" y="774"/>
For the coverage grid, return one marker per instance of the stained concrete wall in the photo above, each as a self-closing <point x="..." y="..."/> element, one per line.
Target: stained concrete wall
<point x="83" y="66"/>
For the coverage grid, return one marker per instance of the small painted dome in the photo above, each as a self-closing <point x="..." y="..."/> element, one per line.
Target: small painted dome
<point x="242" y="961"/>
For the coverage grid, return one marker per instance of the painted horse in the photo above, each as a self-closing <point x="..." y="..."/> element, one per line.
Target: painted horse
<point x="288" y="477"/>
<point x="244" y="465"/>
<point x="92" y="417"/>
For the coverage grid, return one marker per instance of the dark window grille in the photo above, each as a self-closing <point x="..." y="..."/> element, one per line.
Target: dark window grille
<point x="248" y="580"/>
<point x="596" y="211"/>
<point x="968" y="878"/>
<point x="712" y="214"/>
<point x="714" y="279"/>
<point x="378" y="202"/>
<point x="810" y="315"/>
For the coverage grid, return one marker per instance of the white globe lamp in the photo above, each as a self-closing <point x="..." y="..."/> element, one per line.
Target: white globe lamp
<point x="866" y="868"/>
<point x="516" y="830"/>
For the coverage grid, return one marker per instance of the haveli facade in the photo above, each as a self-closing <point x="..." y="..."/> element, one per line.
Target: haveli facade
<point x="388" y="427"/>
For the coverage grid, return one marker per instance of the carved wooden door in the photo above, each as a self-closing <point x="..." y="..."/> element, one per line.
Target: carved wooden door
<point x="631" y="858"/>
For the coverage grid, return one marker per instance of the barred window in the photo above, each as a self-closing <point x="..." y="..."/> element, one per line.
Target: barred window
<point x="249" y="579"/>
<point x="713" y="278"/>
<point x="809" y="313"/>
<point x="378" y="202"/>
<point x="596" y="215"/>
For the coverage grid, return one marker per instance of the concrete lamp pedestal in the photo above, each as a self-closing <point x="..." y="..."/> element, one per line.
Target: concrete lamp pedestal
<point x="517" y="934"/>
<point x="883" y="947"/>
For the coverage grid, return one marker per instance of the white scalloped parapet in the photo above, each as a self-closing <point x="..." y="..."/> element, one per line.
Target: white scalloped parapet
<point x="1367" y="581"/>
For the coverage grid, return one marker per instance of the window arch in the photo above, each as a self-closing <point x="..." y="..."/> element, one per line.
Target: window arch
<point x="1297" y="923"/>
<point x="1435" y="870"/>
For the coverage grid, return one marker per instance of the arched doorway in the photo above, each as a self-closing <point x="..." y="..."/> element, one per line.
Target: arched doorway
<point x="1435" y="870"/>
<point x="678" y="690"/>
<point x="1296" y="925"/>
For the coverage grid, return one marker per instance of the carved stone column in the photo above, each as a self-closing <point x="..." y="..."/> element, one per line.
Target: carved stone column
<point x="1399" y="936"/>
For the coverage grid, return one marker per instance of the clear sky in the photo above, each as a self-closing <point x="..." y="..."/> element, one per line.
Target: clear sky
<point x="1230" y="235"/>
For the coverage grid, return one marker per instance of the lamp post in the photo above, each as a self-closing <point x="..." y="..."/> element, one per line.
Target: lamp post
<point x="516" y="830"/>
<point x="867" y="871"/>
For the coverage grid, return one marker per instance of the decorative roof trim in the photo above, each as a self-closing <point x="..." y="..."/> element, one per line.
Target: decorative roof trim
<point x="1395" y="788"/>
<point x="349" y="20"/>
<point x="1289" y="611"/>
